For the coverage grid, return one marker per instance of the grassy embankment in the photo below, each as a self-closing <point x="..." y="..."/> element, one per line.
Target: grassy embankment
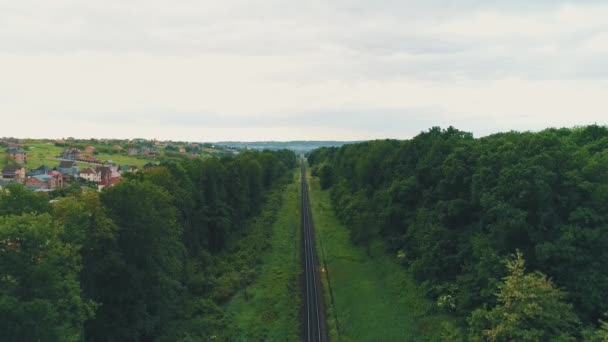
<point x="375" y="299"/>
<point x="269" y="309"/>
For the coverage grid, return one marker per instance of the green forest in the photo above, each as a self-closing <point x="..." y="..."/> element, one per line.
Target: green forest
<point x="506" y="233"/>
<point x="154" y="258"/>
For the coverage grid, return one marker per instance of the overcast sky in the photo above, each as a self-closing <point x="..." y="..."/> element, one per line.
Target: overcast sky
<point x="287" y="70"/>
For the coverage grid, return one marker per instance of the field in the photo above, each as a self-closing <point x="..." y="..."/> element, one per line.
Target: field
<point x="46" y="153"/>
<point x="374" y="299"/>
<point x="39" y="153"/>
<point x="269" y="309"/>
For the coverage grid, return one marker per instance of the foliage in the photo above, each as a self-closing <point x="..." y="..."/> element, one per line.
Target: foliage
<point x="15" y="199"/>
<point x="268" y="309"/>
<point x="373" y="299"/>
<point x="529" y="308"/>
<point x="40" y="297"/>
<point x="454" y="206"/>
<point x="152" y="258"/>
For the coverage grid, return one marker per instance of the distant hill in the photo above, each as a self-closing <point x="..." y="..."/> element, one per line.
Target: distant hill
<point x="297" y="146"/>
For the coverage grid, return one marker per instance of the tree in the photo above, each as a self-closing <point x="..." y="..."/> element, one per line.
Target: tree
<point x="142" y="292"/>
<point x="16" y="200"/>
<point x="40" y="296"/>
<point x="530" y="308"/>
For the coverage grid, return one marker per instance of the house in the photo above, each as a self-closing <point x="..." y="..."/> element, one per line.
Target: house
<point x="42" y="182"/>
<point x="13" y="173"/>
<point x="117" y="147"/>
<point x="182" y="150"/>
<point x="89" y="150"/>
<point x="90" y="175"/>
<point x="114" y="172"/>
<point x="109" y="176"/>
<point x="149" y="152"/>
<point x="41" y="170"/>
<point x="68" y="167"/>
<point x="58" y="178"/>
<point x="16" y="154"/>
<point x="104" y="174"/>
<point x="71" y="154"/>
<point x="133" y="151"/>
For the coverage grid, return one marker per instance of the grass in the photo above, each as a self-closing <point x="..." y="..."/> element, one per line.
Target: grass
<point x="39" y="153"/>
<point x="269" y="309"/>
<point x="46" y="153"/>
<point x="375" y="299"/>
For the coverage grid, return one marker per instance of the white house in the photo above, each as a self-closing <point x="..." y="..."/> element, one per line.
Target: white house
<point x="90" y="175"/>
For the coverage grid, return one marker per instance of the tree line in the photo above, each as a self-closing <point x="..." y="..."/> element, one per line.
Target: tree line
<point x="152" y="258"/>
<point x="509" y="230"/>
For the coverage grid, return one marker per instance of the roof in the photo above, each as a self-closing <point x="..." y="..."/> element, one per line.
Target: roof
<point x="105" y="171"/>
<point x="43" y="178"/>
<point x="10" y="169"/>
<point x="3" y="184"/>
<point x="43" y="168"/>
<point x="66" y="164"/>
<point x="14" y="150"/>
<point x="88" y="171"/>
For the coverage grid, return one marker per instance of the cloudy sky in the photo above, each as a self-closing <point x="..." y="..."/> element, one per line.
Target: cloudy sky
<point x="282" y="70"/>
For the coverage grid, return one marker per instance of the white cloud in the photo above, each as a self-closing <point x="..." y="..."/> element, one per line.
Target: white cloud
<point x="257" y="70"/>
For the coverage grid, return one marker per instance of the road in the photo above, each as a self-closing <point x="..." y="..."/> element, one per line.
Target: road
<point x="314" y="323"/>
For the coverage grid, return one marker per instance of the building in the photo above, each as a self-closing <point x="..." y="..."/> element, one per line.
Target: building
<point x="104" y="173"/>
<point x="42" y="182"/>
<point x="13" y="173"/>
<point x="109" y="176"/>
<point x="68" y="167"/>
<point x="71" y="154"/>
<point x="149" y="152"/>
<point x="133" y="151"/>
<point x="90" y="175"/>
<point x="89" y="150"/>
<point x="58" y="178"/>
<point x="16" y="154"/>
<point x="41" y="170"/>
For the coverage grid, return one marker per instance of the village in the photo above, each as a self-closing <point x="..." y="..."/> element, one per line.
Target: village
<point x="46" y="165"/>
<point x="45" y="178"/>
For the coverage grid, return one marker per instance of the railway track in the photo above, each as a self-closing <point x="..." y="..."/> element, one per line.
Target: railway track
<point x="314" y="326"/>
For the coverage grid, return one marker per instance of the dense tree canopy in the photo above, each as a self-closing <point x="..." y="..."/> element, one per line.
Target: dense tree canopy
<point x="142" y="260"/>
<point x="454" y="207"/>
<point x="40" y="295"/>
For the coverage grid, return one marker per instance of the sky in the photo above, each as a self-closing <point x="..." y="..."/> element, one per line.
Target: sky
<point x="299" y="70"/>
